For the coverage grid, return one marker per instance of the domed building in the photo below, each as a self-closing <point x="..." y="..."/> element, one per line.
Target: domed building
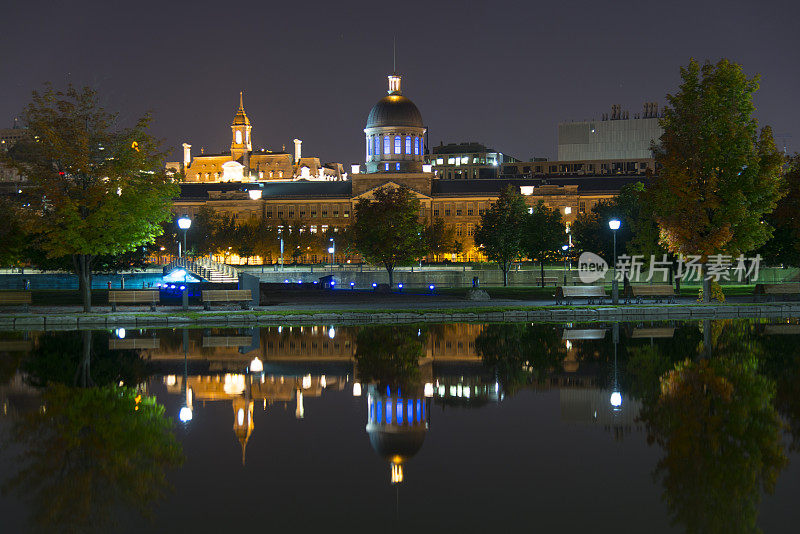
<point x="396" y="425"/>
<point x="395" y="134"/>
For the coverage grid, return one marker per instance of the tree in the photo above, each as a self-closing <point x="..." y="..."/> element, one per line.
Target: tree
<point x="502" y="228"/>
<point x="544" y="234"/>
<point x="13" y="237"/>
<point x="98" y="189"/>
<point x="439" y="238"/>
<point x="719" y="175"/>
<point x="784" y="246"/>
<point x="387" y="230"/>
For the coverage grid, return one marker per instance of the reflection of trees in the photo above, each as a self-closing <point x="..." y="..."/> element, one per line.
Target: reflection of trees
<point x="721" y="438"/>
<point x="520" y="354"/>
<point x="82" y="359"/>
<point x="781" y="363"/>
<point x="389" y="354"/>
<point x="90" y="450"/>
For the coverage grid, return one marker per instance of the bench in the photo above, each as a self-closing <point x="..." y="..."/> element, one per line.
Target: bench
<point x="772" y="290"/>
<point x="658" y="292"/>
<point x="565" y="294"/>
<point x="136" y="296"/>
<point x="242" y="296"/>
<point x="16" y="298"/>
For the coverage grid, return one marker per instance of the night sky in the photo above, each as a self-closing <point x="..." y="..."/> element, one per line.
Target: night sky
<point x="501" y="73"/>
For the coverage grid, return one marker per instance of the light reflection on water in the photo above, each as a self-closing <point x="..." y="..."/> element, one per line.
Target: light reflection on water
<point x="691" y="422"/>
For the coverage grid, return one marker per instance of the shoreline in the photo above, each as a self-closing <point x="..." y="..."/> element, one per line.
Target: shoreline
<point x="71" y="320"/>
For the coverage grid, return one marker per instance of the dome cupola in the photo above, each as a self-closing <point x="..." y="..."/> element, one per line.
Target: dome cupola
<point x="395" y="133"/>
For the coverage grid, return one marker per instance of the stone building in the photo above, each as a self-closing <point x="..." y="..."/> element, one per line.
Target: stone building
<point x="394" y="136"/>
<point x="243" y="164"/>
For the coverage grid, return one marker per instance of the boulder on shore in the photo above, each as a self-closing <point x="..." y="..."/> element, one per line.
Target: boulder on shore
<point x="477" y="294"/>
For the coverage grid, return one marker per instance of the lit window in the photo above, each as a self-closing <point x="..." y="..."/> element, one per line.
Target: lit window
<point x="397" y="166"/>
<point x="238" y="137"/>
<point x="386" y="166"/>
<point x="377" y="145"/>
<point x="440" y="161"/>
<point x="386" y="147"/>
<point x="397" y="144"/>
<point x="408" y="144"/>
<point x="416" y="146"/>
<point x="369" y="148"/>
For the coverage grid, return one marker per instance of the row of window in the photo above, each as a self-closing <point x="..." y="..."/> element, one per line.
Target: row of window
<point x="375" y="142"/>
<point x="459" y="212"/>
<point x="306" y="212"/>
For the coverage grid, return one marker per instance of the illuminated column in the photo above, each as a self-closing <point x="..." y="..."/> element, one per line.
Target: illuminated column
<point x="297" y="150"/>
<point x="187" y="155"/>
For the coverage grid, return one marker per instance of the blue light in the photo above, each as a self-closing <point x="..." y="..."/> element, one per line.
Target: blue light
<point x="299" y="281"/>
<point x="410" y="412"/>
<point x="419" y="410"/>
<point x="374" y="284"/>
<point x="399" y="411"/>
<point x="158" y="284"/>
<point x="431" y="287"/>
<point x="388" y="412"/>
<point x="379" y="412"/>
<point x="286" y="281"/>
<point x="388" y="392"/>
<point x="333" y="282"/>
<point x="352" y="284"/>
<point x="182" y="288"/>
<point x="315" y="282"/>
<point x="172" y="286"/>
<point x="399" y="286"/>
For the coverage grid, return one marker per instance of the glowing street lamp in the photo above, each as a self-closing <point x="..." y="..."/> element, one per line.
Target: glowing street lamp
<point x="565" y="248"/>
<point x="332" y="252"/>
<point x="184" y="223"/>
<point x="614" y="225"/>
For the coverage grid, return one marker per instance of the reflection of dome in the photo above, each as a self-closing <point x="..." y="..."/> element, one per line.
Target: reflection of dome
<point x="396" y="444"/>
<point x="394" y="110"/>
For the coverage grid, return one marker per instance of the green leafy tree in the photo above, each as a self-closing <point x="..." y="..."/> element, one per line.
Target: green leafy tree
<point x="89" y="452"/>
<point x="387" y="230"/>
<point x="201" y="237"/>
<point x="784" y="246"/>
<point x="501" y="231"/>
<point x="544" y="235"/>
<point x="13" y="237"/>
<point x="98" y="189"/>
<point x="719" y="175"/>
<point x="721" y="436"/>
<point x="439" y="238"/>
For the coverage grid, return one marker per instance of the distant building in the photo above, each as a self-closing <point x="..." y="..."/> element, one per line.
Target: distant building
<point x="458" y="161"/>
<point x="8" y="138"/>
<point x="613" y="137"/>
<point x="242" y="164"/>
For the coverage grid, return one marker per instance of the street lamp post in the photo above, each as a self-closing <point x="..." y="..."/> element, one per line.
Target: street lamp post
<point x="614" y="225"/>
<point x="184" y="223"/>
<point x="332" y="252"/>
<point x="565" y="248"/>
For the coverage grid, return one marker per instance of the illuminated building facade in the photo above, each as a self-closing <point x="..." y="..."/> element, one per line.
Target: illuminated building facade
<point x="243" y="164"/>
<point x="394" y="157"/>
<point x="467" y="161"/>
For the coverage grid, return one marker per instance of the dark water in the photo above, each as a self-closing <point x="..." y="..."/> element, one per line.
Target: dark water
<point x="629" y="427"/>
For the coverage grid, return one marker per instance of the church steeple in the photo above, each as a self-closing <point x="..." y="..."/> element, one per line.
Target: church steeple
<point x="240" y="129"/>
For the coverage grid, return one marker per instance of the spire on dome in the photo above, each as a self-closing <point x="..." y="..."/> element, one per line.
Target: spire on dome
<point x="241" y="116"/>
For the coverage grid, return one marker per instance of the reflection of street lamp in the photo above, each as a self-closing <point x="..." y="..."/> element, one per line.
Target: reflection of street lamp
<point x="185" y="414"/>
<point x="614" y="225"/>
<point x="184" y="223"/>
<point x="616" y="396"/>
<point x="280" y="237"/>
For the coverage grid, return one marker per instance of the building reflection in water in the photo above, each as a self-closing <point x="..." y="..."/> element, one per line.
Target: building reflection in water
<point x="397" y="421"/>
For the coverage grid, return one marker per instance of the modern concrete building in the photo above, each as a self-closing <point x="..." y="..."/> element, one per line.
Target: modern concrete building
<point x="460" y="161"/>
<point x="613" y="137"/>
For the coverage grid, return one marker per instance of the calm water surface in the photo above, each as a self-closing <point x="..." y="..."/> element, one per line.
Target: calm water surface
<point x="627" y="427"/>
